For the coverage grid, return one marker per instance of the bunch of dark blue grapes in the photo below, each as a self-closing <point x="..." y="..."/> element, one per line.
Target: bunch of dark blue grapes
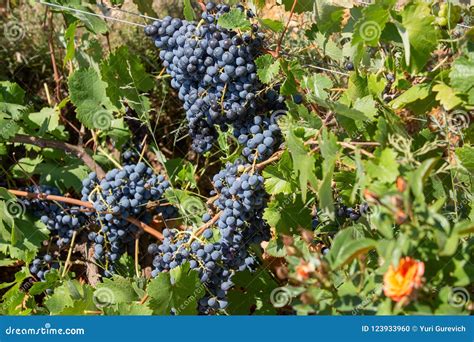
<point x="60" y="218"/>
<point x="354" y="214"/>
<point x="41" y="266"/>
<point x="121" y="194"/>
<point x="213" y="68"/>
<point x="241" y="201"/>
<point x="260" y="138"/>
<point x="179" y="247"/>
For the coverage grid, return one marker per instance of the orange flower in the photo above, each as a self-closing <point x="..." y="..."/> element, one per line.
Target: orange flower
<point x="303" y="271"/>
<point x="400" y="283"/>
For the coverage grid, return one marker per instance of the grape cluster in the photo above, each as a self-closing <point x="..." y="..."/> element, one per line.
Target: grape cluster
<point x="41" y="266"/>
<point x="213" y="68"/>
<point x="353" y="214"/>
<point x="122" y="193"/>
<point x="260" y="137"/>
<point x="203" y="256"/>
<point x="241" y="200"/>
<point x="61" y="219"/>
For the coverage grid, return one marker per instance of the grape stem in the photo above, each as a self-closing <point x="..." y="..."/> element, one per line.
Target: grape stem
<point x="208" y="224"/>
<point x="278" y="48"/>
<point x="79" y="152"/>
<point x="88" y="205"/>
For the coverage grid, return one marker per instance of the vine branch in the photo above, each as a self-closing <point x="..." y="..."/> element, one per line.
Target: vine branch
<point x="89" y="205"/>
<point x="79" y="152"/>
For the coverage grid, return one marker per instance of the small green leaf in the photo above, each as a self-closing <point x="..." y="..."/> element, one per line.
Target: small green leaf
<point x="234" y="20"/>
<point x="417" y="92"/>
<point x="466" y="156"/>
<point x="88" y="94"/>
<point x="179" y="289"/>
<point x="274" y="25"/>
<point x="286" y="214"/>
<point x="303" y="162"/>
<point x="188" y="11"/>
<point x="446" y="96"/>
<point x="267" y="68"/>
<point x="347" y="245"/>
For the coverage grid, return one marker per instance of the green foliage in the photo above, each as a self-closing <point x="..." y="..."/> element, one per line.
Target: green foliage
<point x="385" y="119"/>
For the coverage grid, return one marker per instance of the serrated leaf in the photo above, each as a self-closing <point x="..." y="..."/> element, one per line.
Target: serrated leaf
<point x="329" y="152"/>
<point x="317" y="86"/>
<point x="88" y="94"/>
<point x="119" y="288"/>
<point x="235" y="19"/>
<point x="252" y="293"/>
<point x="126" y="77"/>
<point x="417" y="20"/>
<point x="146" y="7"/>
<point x="276" y="248"/>
<point x="366" y="105"/>
<point x="303" y="162"/>
<point x="462" y="73"/>
<point x="279" y="177"/>
<point x="286" y="214"/>
<point x="466" y="156"/>
<point x="417" y="92"/>
<point x="385" y="167"/>
<point x="267" y="68"/>
<point x="69" y="35"/>
<point x="369" y="27"/>
<point x="179" y="289"/>
<point x="47" y="120"/>
<point x="274" y="25"/>
<point x="446" y="96"/>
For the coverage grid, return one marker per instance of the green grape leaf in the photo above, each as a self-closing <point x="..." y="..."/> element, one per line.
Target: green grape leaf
<point x="462" y="73"/>
<point x="417" y="20"/>
<point x="188" y="11"/>
<point x="286" y="214"/>
<point x="146" y="7"/>
<point x="369" y="27"/>
<point x="317" y="86"/>
<point x="267" y="68"/>
<point x="88" y="93"/>
<point x="279" y="177"/>
<point x="114" y="291"/>
<point x="300" y="7"/>
<point x="303" y="163"/>
<point x="125" y="76"/>
<point x="251" y="293"/>
<point x="384" y="167"/>
<point x="179" y="289"/>
<point x="466" y="156"/>
<point x="346" y="246"/>
<point x="274" y="25"/>
<point x="417" y="92"/>
<point x="446" y="96"/>
<point x="235" y="19"/>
